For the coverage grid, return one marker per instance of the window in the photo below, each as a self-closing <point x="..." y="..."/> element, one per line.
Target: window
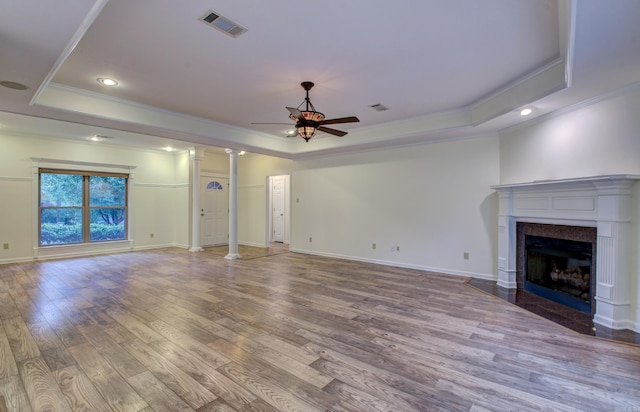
<point x="82" y="207"/>
<point x="213" y="185"/>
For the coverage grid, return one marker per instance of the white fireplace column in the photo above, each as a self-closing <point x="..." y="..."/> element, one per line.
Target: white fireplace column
<point x="613" y="251"/>
<point x="233" y="204"/>
<point x="506" y="238"/>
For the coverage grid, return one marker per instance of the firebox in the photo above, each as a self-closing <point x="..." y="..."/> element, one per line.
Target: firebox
<point x="560" y="270"/>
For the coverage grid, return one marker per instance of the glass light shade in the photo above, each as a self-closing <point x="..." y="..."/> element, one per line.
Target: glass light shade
<point x="313" y="116"/>
<point x="307" y="132"/>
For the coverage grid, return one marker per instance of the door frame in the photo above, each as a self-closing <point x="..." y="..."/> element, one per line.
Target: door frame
<point x="269" y="209"/>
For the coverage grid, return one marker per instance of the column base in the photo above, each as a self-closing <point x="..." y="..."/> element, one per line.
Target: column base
<point x="196" y="249"/>
<point x="232" y="256"/>
<point x="507" y="279"/>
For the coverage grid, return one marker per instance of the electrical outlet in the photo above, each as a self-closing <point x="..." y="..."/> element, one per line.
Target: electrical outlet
<point x="151" y="236"/>
<point x="310" y="239"/>
<point x="373" y="246"/>
<point x="5" y="246"/>
<point x="466" y="255"/>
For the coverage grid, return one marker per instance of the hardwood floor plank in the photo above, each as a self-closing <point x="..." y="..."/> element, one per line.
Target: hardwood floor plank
<point x="22" y="344"/>
<point x="205" y="374"/>
<point x="112" y="387"/>
<point x="15" y="395"/>
<point x="8" y="365"/>
<point x="175" y="379"/>
<point x="117" y="357"/>
<point x="157" y="395"/>
<point x="188" y="343"/>
<point x="8" y="309"/>
<point x="218" y="405"/>
<point x="41" y="387"/>
<point x="359" y="399"/>
<point x="269" y="391"/>
<point x="281" y="377"/>
<point x="66" y="331"/>
<point x="79" y="392"/>
<point x="133" y="325"/>
<point x="51" y="347"/>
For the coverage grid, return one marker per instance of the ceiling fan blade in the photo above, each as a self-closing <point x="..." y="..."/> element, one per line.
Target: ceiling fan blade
<point x="288" y="124"/>
<point x="295" y="112"/>
<point x="350" y="119"/>
<point x="332" y="131"/>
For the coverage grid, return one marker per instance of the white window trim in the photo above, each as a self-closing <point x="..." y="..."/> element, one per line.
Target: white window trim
<point x="80" y="249"/>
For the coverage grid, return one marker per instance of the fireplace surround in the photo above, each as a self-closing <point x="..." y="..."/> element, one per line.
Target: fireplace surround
<point x="603" y="203"/>
<point x="557" y="262"/>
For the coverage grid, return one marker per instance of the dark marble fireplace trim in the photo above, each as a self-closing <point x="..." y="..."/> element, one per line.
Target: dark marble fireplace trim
<point x="579" y="233"/>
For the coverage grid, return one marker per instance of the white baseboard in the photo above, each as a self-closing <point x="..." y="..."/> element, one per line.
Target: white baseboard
<point x="76" y="253"/>
<point x="445" y="271"/>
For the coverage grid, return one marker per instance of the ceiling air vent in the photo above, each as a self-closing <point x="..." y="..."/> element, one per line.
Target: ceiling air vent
<point x="221" y="23"/>
<point x="379" y="107"/>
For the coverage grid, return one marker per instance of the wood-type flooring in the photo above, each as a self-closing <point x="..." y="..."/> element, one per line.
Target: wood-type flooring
<point x="169" y="330"/>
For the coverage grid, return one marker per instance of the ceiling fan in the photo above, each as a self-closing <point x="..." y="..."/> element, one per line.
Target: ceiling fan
<point x="309" y="121"/>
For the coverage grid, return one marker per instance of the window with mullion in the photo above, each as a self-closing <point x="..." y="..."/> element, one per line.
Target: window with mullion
<point x="82" y="207"/>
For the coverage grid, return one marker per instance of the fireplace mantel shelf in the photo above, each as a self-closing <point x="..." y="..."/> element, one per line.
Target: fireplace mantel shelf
<point x="563" y="182"/>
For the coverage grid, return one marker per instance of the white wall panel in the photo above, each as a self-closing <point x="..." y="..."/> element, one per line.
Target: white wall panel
<point x="432" y="201"/>
<point x="600" y="139"/>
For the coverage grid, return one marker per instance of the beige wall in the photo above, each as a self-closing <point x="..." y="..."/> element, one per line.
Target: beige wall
<point x="158" y="192"/>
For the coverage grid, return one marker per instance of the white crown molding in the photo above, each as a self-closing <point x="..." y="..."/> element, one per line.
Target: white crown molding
<point x="43" y="162"/>
<point x="75" y="39"/>
<point x="71" y="99"/>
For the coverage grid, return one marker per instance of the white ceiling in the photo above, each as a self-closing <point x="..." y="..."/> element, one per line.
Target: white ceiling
<point x="445" y="68"/>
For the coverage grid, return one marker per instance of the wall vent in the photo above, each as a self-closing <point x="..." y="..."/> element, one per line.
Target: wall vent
<point x="215" y="20"/>
<point x="378" y="107"/>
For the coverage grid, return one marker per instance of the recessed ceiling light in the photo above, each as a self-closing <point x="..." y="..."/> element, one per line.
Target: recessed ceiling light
<point x="291" y="133"/>
<point x="13" y="85"/>
<point x="105" y="81"/>
<point x="526" y="111"/>
<point x="99" y="137"/>
<point x="168" y="149"/>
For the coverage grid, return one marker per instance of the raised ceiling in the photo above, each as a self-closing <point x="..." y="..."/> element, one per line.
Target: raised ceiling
<point x="444" y="68"/>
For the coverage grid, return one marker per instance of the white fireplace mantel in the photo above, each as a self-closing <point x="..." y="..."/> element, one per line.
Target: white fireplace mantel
<point x="603" y="202"/>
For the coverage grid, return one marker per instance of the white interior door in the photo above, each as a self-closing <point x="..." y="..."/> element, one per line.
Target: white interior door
<point x="214" y="212"/>
<point x="278" y="207"/>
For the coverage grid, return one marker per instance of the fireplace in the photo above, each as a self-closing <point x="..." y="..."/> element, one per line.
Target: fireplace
<point x="558" y="220"/>
<point x="557" y="262"/>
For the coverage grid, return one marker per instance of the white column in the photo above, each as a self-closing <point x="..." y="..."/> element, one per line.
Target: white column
<point x="233" y="204"/>
<point x="613" y="308"/>
<point x="196" y="155"/>
<point x="506" y="241"/>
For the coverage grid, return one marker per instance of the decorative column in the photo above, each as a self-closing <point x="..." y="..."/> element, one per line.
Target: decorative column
<point x="196" y="154"/>
<point x="506" y="240"/>
<point x="613" y="308"/>
<point x="233" y="204"/>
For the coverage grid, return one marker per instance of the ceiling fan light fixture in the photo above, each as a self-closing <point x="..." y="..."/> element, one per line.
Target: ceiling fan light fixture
<point x="306" y="131"/>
